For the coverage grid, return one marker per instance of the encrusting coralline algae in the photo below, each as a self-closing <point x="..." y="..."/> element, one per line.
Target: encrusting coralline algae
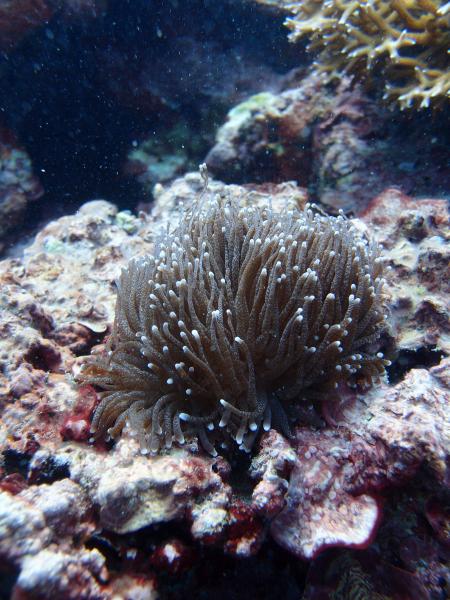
<point x="239" y="313"/>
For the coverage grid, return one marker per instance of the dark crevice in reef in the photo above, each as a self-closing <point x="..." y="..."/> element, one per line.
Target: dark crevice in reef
<point x="220" y="577"/>
<point x="239" y="478"/>
<point x="48" y="472"/>
<point x="204" y="572"/>
<point x="8" y="578"/>
<point x="85" y="349"/>
<point x="80" y="339"/>
<point x="107" y="548"/>
<point x="131" y="551"/>
<point x="421" y="358"/>
<point x="43" y="358"/>
<point x="15" y="461"/>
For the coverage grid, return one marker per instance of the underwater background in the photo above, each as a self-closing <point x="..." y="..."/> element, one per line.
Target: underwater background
<point x="107" y="109"/>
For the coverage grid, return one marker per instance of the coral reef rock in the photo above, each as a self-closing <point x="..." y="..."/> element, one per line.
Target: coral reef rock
<point x="380" y="440"/>
<point x="333" y="140"/>
<point x="18" y="184"/>
<point x="415" y="235"/>
<point x="84" y="520"/>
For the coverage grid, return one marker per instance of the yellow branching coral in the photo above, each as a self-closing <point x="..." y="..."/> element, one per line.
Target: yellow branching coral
<point x="405" y="41"/>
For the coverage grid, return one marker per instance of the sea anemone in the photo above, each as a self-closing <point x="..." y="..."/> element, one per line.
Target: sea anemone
<point x="239" y="314"/>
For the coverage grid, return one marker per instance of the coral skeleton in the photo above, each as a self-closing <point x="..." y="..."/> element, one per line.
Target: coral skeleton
<point x="406" y="41"/>
<point x="240" y="313"/>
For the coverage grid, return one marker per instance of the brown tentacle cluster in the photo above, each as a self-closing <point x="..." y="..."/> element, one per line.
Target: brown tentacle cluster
<point x="239" y="313"/>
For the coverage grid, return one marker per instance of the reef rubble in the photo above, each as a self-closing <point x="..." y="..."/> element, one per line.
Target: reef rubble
<point x="18" y="184"/>
<point x="333" y="139"/>
<point x="79" y="519"/>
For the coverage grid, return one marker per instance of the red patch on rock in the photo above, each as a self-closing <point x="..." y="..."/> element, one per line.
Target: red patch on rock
<point x="77" y="424"/>
<point x="13" y="483"/>
<point x="244" y="532"/>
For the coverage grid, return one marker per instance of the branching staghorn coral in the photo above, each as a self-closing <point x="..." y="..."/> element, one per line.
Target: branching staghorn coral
<point x="239" y="313"/>
<point x="405" y="41"/>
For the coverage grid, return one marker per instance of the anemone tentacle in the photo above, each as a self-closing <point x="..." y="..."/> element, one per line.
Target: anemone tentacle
<point x="239" y="313"/>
